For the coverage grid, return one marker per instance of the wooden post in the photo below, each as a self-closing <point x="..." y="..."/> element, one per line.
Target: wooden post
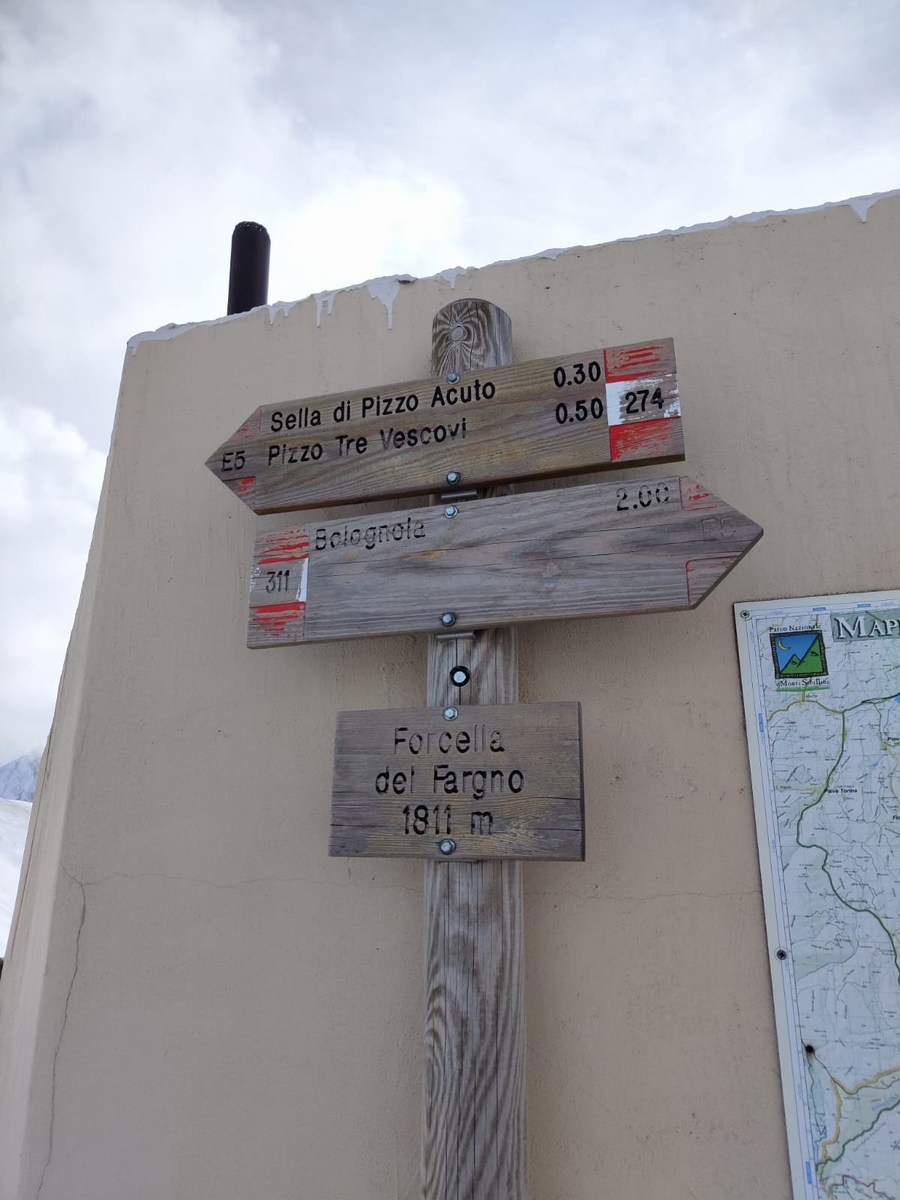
<point x="474" y="1102"/>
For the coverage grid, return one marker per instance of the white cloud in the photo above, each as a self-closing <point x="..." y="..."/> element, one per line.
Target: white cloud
<point x="144" y="133"/>
<point x="48" y="496"/>
<point x="370" y="139"/>
<point x="406" y="224"/>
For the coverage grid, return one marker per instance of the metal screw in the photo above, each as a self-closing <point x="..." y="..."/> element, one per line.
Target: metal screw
<point x="451" y="510"/>
<point x="782" y="954"/>
<point x="460" y="676"/>
<point x="452" y="377"/>
<point x="447" y="846"/>
<point x="454" y="477"/>
<point x="450" y="713"/>
<point x="745" y="613"/>
<point x="448" y="619"/>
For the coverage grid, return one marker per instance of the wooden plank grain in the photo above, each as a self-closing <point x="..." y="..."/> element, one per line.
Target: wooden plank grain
<point x="474" y="1096"/>
<point x="596" y="550"/>
<point x="474" y="1135"/>
<point x="579" y="411"/>
<point x="497" y="781"/>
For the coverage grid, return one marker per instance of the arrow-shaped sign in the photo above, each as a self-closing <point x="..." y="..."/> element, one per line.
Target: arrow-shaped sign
<point x="604" y="549"/>
<point x="552" y="416"/>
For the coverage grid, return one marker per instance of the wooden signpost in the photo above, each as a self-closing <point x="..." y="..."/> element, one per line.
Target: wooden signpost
<point x="473" y="1138"/>
<point x="475" y="783"/>
<point x="479" y="782"/>
<point x="554" y="416"/>
<point x="597" y="550"/>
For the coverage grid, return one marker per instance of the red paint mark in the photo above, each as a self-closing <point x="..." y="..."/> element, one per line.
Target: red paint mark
<point x="631" y="376"/>
<point x="285" y="550"/>
<point x="284" y="545"/>
<point x="633" y="362"/>
<point x="250" y="428"/>
<point x="289" y="540"/>
<point x="296" y="534"/>
<point x="695" y="495"/>
<point x="243" y="487"/>
<point x="645" y="439"/>
<point x="273" y="619"/>
<point x="702" y="574"/>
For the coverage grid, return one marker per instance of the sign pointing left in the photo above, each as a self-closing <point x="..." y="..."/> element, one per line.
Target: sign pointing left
<point x="552" y="416"/>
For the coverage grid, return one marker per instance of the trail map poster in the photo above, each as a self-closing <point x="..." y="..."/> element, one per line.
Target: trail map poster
<point x="821" y="682"/>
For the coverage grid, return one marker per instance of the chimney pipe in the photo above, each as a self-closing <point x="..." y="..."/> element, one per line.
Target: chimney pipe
<point x="248" y="281"/>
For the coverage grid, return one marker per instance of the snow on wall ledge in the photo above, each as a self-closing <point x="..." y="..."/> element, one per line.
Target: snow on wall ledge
<point x="387" y="287"/>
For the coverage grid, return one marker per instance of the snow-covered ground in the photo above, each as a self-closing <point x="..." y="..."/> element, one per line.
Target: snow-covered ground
<point x="17" y="779"/>
<point x="14" y="818"/>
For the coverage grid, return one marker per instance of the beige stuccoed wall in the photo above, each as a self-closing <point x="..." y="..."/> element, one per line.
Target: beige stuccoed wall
<point x="198" y="1002"/>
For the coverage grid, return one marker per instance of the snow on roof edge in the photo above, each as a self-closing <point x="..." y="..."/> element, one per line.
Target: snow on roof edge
<point x="387" y="287"/>
<point x="859" y="204"/>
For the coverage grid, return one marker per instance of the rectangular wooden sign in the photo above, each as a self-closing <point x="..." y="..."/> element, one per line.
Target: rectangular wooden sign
<point x="598" y="550"/>
<point x="552" y="416"/>
<point x="497" y="781"/>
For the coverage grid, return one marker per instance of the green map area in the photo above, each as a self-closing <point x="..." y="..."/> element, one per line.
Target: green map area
<point x="823" y="705"/>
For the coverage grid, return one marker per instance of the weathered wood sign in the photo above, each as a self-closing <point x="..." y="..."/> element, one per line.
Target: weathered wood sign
<point x="551" y="416"/>
<point x="476" y="782"/>
<point x="598" y="550"/>
<point x="474" y="788"/>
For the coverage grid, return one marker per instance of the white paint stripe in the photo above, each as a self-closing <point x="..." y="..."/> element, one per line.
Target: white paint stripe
<point x="616" y="402"/>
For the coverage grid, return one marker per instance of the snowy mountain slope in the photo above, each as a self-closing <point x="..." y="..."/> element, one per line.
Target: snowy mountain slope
<point x="14" y="817"/>
<point x="17" y="778"/>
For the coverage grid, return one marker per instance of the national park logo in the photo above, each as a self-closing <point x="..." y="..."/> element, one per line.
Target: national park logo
<point x="799" y="654"/>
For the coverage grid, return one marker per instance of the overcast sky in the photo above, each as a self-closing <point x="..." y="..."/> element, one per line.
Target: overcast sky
<point x="405" y="136"/>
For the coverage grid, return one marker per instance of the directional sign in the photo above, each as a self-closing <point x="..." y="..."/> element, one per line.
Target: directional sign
<point x="603" y="549"/>
<point x="552" y="416"/>
<point x="498" y="781"/>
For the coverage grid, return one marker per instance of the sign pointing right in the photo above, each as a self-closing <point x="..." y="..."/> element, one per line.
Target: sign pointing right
<point x="604" y="549"/>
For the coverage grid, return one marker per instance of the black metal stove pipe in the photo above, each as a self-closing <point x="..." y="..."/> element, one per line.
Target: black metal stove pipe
<point x="248" y="281"/>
